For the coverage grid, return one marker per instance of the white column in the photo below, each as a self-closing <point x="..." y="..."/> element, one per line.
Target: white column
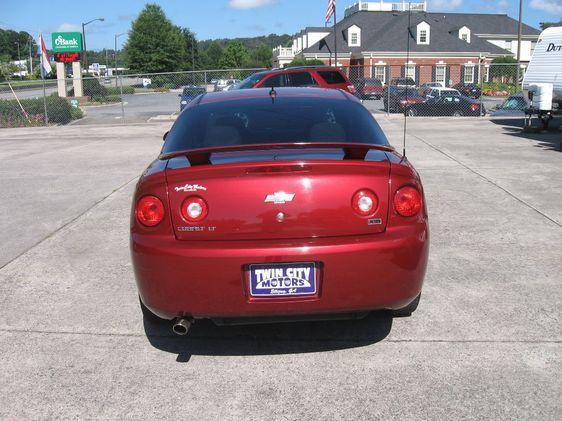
<point x="61" y="85"/>
<point x="77" y="79"/>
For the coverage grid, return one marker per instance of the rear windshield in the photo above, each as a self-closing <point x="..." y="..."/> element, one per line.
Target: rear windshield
<point x="259" y="120"/>
<point x="250" y="81"/>
<point x="331" y="77"/>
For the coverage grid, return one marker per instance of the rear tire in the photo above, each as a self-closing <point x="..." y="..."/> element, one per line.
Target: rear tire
<point x="457" y="114"/>
<point x="409" y="309"/>
<point x="149" y="315"/>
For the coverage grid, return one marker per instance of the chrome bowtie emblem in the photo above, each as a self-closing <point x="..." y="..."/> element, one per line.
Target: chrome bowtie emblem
<point x="279" y="197"/>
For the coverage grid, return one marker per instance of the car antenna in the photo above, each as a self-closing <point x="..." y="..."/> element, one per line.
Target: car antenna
<point x="273" y="94"/>
<point x="409" y="33"/>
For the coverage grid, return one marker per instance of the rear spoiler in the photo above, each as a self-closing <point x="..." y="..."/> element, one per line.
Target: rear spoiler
<point x="351" y="150"/>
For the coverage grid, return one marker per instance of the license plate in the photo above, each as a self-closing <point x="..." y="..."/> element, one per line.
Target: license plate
<point x="282" y="279"/>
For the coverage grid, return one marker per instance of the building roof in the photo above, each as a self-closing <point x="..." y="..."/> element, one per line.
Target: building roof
<point x="386" y="31"/>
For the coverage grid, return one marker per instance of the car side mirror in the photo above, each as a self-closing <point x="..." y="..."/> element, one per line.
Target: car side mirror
<point x="165" y="135"/>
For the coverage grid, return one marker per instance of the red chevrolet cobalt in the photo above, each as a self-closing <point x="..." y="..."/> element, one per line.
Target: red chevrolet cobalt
<point x="273" y="203"/>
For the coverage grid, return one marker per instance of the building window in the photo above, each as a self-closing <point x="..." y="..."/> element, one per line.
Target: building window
<point x="423" y="33"/>
<point x="380" y="73"/>
<point x="354" y="36"/>
<point x="441" y="74"/>
<point x="410" y="71"/>
<point x="487" y="74"/>
<point x="464" y="34"/>
<point x="468" y="74"/>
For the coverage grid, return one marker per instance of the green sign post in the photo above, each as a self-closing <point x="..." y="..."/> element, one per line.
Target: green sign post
<point x="67" y="42"/>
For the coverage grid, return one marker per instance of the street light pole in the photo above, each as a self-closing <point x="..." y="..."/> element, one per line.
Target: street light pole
<point x="84" y="40"/>
<point x="519" y="30"/>
<point x="115" y="55"/>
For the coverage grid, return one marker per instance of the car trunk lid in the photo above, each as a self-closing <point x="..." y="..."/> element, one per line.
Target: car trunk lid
<point x="287" y="194"/>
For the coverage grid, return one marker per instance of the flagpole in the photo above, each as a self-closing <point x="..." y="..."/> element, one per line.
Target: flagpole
<point x="335" y="39"/>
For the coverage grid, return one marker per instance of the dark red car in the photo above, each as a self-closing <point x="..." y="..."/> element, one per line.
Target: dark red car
<point x="369" y="88"/>
<point x="305" y="76"/>
<point x="400" y="99"/>
<point x="277" y="203"/>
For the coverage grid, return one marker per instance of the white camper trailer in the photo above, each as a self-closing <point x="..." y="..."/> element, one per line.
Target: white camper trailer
<point x="543" y="79"/>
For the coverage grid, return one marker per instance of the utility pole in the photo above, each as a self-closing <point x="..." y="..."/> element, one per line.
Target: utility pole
<point x="19" y="59"/>
<point x="84" y="40"/>
<point x="30" y="57"/>
<point x="519" y="30"/>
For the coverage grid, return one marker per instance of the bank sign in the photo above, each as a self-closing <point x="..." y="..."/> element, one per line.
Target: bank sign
<point x="67" y="42"/>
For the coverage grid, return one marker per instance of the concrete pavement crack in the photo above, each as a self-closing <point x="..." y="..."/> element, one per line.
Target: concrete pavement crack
<point x="472" y="170"/>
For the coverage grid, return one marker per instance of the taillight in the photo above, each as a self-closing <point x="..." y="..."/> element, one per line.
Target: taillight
<point x="194" y="209"/>
<point x="351" y="88"/>
<point x="365" y="202"/>
<point x="407" y="201"/>
<point x="149" y="211"/>
<point x="474" y="107"/>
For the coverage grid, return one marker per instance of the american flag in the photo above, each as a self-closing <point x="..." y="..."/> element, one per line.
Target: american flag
<point x="44" y="57"/>
<point x="331" y="9"/>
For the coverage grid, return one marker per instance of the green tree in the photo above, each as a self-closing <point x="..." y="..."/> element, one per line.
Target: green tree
<point x="211" y="56"/>
<point x="235" y="55"/>
<point x="304" y="62"/>
<point x="154" y="44"/>
<point x="545" y="25"/>
<point x="262" y="56"/>
<point x="504" y="69"/>
<point x="191" y="50"/>
<point x="7" y="69"/>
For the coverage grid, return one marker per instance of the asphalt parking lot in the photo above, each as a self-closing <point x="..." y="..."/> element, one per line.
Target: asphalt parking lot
<point x="145" y="107"/>
<point x="484" y="343"/>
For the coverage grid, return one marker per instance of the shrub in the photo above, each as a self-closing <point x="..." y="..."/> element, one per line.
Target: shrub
<point x="304" y="62"/>
<point x="117" y="91"/>
<point x="59" y="111"/>
<point x="499" y="89"/>
<point x="91" y="87"/>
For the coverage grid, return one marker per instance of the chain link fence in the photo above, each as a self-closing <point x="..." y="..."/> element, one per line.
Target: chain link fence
<point x="109" y="99"/>
<point x="418" y="90"/>
<point x="469" y="90"/>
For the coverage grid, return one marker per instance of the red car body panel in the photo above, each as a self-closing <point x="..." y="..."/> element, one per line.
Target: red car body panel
<point x="204" y="272"/>
<point x="373" y="89"/>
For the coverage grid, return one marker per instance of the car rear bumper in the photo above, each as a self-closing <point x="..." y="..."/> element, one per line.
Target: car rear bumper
<point x="208" y="279"/>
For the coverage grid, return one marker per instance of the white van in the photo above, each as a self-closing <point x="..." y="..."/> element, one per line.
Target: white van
<point x="545" y="67"/>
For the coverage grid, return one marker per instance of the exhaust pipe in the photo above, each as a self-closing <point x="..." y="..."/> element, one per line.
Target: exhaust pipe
<point x="181" y="326"/>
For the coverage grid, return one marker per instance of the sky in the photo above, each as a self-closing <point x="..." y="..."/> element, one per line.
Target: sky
<point x="221" y="18"/>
